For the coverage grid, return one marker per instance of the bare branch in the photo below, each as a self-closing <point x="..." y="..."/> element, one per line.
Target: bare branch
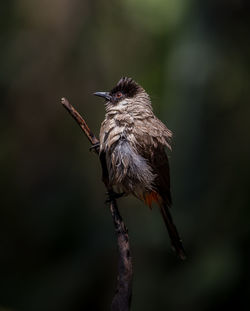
<point x="122" y="298"/>
<point x="83" y="125"/>
<point x="123" y="295"/>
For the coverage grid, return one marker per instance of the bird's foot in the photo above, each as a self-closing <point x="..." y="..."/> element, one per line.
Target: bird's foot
<point x="112" y="195"/>
<point x="95" y="147"/>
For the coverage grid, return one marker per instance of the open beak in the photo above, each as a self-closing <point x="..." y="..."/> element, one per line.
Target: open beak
<point x="105" y="95"/>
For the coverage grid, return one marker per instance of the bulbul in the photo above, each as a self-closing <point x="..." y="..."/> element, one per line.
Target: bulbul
<point x="132" y="150"/>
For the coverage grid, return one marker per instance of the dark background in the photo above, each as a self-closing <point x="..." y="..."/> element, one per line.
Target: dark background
<point x="57" y="243"/>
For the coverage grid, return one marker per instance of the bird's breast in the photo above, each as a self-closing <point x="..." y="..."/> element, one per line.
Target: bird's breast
<point x="114" y="127"/>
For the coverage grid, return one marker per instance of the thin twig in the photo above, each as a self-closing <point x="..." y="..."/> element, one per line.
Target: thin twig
<point x="83" y="125"/>
<point x="122" y="298"/>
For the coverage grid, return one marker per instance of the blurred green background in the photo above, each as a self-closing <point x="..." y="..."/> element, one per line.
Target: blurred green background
<point x="57" y="242"/>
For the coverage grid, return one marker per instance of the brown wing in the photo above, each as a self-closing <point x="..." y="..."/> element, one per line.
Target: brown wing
<point x="152" y="145"/>
<point x="160" y="165"/>
<point x="158" y="160"/>
<point x="152" y="136"/>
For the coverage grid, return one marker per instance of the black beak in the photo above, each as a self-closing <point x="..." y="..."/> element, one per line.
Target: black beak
<point x="105" y="95"/>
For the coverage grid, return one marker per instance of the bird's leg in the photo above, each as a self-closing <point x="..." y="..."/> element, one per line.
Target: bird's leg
<point x="113" y="195"/>
<point x="95" y="147"/>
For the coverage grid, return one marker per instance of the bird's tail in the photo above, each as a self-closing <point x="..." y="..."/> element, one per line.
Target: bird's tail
<point x="172" y="231"/>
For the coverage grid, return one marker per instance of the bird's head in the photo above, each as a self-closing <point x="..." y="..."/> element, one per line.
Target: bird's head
<point x="126" y="91"/>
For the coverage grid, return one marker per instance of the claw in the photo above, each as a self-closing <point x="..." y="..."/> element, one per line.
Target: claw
<point x="112" y="195"/>
<point x="95" y="147"/>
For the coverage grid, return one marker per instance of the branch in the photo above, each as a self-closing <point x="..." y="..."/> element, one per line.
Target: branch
<point x="122" y="298"/>
<point x="83" y="125"/>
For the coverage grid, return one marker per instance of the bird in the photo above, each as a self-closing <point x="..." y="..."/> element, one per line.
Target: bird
<point x="132" y="145"/>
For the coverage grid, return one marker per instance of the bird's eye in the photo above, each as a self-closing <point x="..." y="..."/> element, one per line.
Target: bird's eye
<point x="119" y="95"/>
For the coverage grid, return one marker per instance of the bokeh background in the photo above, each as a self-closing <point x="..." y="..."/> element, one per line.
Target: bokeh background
<point x="57" y="242"/>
